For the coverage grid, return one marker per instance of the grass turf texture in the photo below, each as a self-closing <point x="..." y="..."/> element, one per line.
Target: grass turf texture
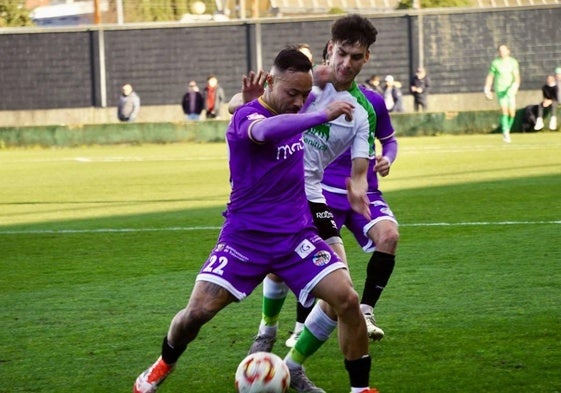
<point x="100" y="247"/>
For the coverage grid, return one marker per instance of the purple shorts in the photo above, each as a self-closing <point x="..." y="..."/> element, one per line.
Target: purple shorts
<point x="355" y="222"/>
<point x="240" y="261"/>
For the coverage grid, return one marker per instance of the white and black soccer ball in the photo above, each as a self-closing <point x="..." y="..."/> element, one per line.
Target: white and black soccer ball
<point x="262" y="372"/>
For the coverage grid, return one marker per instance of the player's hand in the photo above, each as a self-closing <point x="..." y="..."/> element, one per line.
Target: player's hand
<point x="382" y="166"/>
<point x="488" y="95"/>
<point x="338" y="108"/>
<point x="253" y="85"/>
<point x="356" y="194"/>
<point x="322" y="75"/>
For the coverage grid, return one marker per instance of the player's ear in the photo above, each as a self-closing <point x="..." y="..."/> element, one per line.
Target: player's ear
<point x="269" y="82"/>
<point x="367" y="56"/>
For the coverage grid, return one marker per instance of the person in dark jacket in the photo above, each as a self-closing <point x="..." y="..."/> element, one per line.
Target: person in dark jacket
<point x="419" y="87"/>
<point x="193" y="102"/>
<point x="549" y="104"/>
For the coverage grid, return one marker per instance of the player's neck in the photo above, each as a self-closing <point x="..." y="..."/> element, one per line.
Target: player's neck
<point x="342" y="86"/>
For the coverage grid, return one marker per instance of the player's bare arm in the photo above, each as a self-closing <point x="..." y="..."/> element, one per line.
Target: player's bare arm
<point x="357" y="186"/>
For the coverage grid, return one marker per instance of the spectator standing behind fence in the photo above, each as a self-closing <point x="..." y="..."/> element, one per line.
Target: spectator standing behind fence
<point x="373" y="83"/>
<point x="504" y="73"/>
<point x="129" y="104"/>
<point x="193" y="102"/>
<point x="214" y="97"/>
<point x="419" y="87"/>
<point x="393" y="96"/>
<point x="548" y="104"/>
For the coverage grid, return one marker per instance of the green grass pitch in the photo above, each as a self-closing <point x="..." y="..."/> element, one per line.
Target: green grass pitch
<point x="100" y="246"/>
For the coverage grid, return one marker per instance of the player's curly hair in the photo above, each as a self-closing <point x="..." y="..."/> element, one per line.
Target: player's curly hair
<point x="354" y="28"/>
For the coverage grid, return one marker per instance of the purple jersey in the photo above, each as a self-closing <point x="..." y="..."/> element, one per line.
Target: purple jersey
<point x="268" y="226"/>
<point x="340" y="169"/>
<point x="267" y="179"/>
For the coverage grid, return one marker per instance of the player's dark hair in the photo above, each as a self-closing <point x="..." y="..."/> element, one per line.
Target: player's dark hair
<point x="354" y="28"/>
<point x="291" y="59"/>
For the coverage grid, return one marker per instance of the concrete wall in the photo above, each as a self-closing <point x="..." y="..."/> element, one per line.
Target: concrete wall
<point x="173" y="113"/>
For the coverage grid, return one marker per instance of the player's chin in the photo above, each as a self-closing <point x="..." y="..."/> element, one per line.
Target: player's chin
<point x="345" y="76"/>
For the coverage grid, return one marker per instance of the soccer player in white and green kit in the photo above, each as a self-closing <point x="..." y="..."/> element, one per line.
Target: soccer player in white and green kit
<point x="505" y="73"/>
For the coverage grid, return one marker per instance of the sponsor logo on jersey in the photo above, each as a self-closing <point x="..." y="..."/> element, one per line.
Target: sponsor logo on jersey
<point x="285" y="151"/>
<point x="322" y="131"/>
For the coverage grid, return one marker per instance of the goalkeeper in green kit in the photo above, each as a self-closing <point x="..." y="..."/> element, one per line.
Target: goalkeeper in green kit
<point x="505" y="74"/>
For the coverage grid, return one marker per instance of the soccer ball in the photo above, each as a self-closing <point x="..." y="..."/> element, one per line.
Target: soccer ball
<point x="262" y="372"/>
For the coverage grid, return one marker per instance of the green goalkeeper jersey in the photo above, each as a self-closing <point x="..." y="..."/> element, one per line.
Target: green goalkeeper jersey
<point x="504" y="70"/>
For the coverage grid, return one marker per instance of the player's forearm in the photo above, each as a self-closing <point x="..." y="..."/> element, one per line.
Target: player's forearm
<point x="389" y="149"/>
<point x="359" y="172"/>
<point x="286" y="125"/>
<point x="488" y="82"/>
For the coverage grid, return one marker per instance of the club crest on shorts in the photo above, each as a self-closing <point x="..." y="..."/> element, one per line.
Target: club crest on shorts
<point x="321" y="258"/>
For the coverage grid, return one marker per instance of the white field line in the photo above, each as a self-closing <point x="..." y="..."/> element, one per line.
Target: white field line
<point x="216" y="228"/>
<point x="109" y="159"/>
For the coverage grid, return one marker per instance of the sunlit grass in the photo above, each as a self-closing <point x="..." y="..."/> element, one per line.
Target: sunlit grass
<point x="100" y="247"/>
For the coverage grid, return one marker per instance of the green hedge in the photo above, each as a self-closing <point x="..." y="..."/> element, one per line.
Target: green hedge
<point x="405" y="124"/>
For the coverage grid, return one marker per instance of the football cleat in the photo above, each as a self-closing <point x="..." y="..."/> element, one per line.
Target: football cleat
<point x="374" y="332"/>
<point x="301" y="383"/>
<point x="149" y="380"/>
<point x="291" y="341"/>
<point x="262" y="344"/>
<point x="370" y="390"/>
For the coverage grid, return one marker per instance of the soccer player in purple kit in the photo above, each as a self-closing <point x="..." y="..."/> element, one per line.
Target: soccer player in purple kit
<point x="268" y="228"/>
<point x="352" y="36"/>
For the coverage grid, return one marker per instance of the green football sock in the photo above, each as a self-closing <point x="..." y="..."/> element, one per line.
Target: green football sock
<point x="271" y="310"/>
<point x="510" y="122"/>
<point x="505" y="124"/>
<point x="316" y="331"/>
<point x="274" y="295"/>
<point x="305" y="347"/>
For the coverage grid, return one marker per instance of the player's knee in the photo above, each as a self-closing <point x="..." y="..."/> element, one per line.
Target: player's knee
<point x="390" y="238"/>
<point x="347" y="303"/>
<point x="386" y="240"/>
